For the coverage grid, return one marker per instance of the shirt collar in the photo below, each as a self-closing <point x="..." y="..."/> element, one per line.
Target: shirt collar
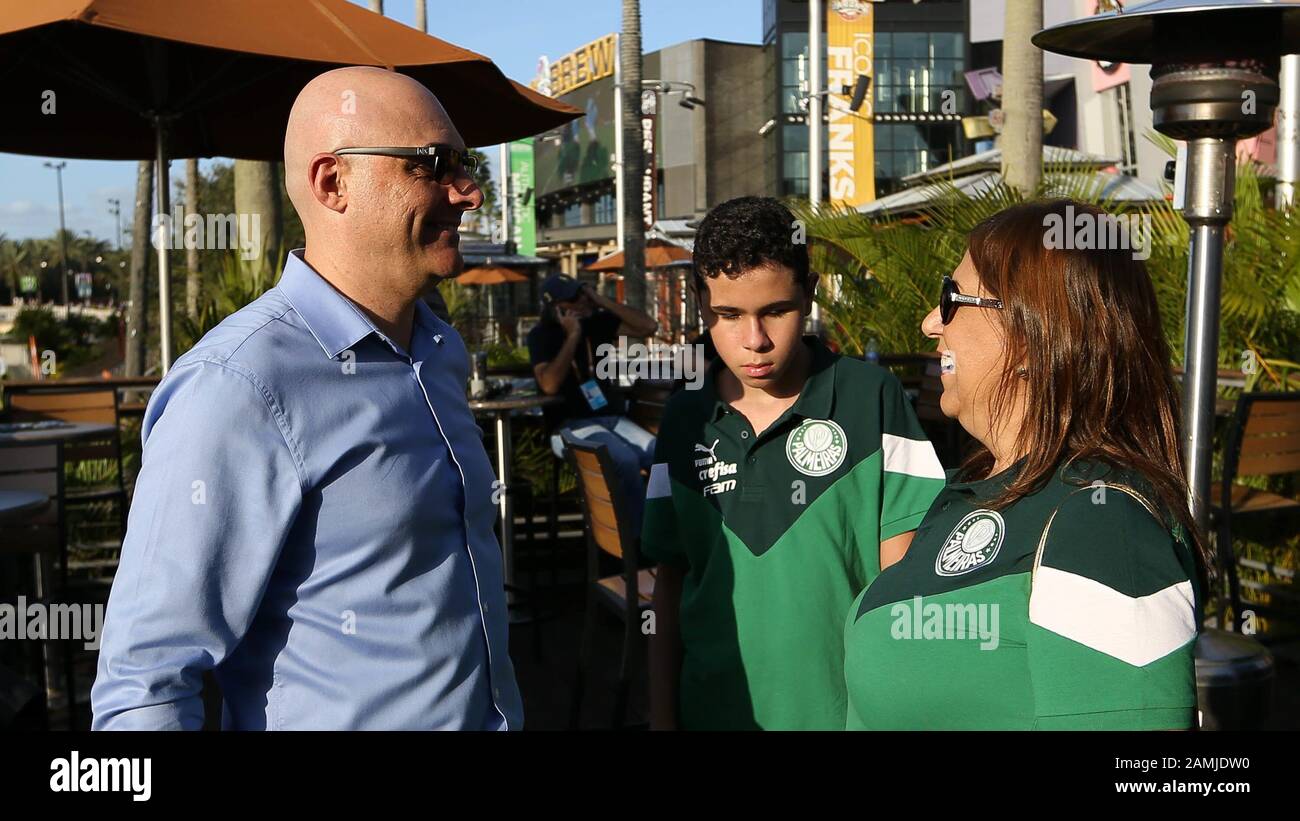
<point x="815" y="400"/>
<point x="1074" y="472"/>
<point x="331" y="317"/>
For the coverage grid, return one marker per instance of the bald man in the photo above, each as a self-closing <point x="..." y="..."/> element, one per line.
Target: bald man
<point x="313" y="516"/>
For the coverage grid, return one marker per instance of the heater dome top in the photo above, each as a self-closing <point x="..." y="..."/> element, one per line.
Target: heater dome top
<point x="1178" y="31"/>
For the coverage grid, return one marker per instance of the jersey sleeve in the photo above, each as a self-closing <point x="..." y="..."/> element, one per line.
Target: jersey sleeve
<point x="660" y="536"/>
<point x="913" y="475"/>
<point x="1112" y="620"/>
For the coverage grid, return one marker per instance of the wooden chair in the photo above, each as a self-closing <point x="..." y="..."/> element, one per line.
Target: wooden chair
<point x="41" y="538"/>
<point x="1263" y="440"/>
<point x="609" y="532"/>
<point x="84" y="405"/>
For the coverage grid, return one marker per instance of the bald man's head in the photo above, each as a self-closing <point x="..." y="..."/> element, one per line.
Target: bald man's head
<point x="366" y="208"/>
<point x="354" y="106"/>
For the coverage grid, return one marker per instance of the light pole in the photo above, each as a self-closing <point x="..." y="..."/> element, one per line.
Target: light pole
<point x="63" y="234"/>
<point x="116" y="211"/>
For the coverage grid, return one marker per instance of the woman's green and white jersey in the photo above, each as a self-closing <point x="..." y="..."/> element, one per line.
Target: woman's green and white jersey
<point x="965" y="633"/>
<point x="778" y="533"/>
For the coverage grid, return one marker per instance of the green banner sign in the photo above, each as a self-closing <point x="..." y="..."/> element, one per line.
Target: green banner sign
<point x="523" y="198"/>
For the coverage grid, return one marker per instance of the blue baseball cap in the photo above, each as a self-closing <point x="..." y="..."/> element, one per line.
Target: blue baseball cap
<point x="560" y="288"/>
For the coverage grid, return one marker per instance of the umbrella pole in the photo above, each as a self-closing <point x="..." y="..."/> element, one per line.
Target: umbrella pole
<point x="162" y="242"/>
<point x="1211" y="179"/>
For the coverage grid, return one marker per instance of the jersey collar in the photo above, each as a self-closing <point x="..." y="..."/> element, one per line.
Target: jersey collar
<point x="815" y="401"/>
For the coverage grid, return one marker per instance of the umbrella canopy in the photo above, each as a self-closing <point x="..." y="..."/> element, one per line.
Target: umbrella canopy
<point x="490" y="275"/>
<point x="158" y="79"/>
<point x="658" y="253"/>
<point x="223" y="74"/>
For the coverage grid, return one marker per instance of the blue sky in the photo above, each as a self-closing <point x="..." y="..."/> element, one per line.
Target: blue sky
<point x="514" y="33"/>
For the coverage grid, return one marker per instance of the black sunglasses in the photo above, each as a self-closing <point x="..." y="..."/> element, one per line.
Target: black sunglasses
<point x="444" y="161"/>
<point x="950" y="299"/>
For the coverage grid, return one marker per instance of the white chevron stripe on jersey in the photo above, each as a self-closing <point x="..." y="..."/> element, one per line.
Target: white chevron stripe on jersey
<point x="915" y="457"/>
<point x="1137" y="630"/>
<point x="659" y="486"/>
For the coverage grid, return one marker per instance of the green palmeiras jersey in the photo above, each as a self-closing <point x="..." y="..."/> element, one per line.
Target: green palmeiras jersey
<point x="777" y="533"/>
<point x="1074" y="607"/>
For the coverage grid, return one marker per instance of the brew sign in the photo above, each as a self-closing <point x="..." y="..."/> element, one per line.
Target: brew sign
<point x="592" y="62"/>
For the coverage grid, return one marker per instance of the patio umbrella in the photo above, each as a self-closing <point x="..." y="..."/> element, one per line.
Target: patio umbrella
<point x="158" y="79"/>
<point x="490" y="275"/>
<point x="658" y="253"/>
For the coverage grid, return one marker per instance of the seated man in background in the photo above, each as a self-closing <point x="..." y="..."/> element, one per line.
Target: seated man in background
<point x="563" y="347"/>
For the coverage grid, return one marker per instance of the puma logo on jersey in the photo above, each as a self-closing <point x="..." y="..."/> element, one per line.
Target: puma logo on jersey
<point x="711" y="458"/>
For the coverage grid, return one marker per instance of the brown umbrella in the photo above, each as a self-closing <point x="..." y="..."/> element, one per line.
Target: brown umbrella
<point x="490" y="275"/>
<point x="658" y="253"/>
<point x="222" y="75"/>
<point x="156" y="79"/>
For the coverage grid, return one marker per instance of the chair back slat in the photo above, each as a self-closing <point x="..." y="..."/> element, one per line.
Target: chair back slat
<point x="1267" y="443"/>
<point x="89" y="406"/>
<point x="601" y="513"/>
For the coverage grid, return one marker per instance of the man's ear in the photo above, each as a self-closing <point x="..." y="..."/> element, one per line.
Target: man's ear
<point x="325" y="178"/>
<point x="700" y="288"/>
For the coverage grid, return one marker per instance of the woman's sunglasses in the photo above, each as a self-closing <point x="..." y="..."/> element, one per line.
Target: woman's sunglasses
<point x="950" y="299"/>
<point x="444" y="161"/>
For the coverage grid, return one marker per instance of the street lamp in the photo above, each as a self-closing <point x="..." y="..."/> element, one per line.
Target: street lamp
<point x="1214" y="67"/>
<point x="116" y="211"/>
<point x="63" y="239"/>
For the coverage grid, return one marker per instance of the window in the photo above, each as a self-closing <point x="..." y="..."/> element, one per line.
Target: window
<point x="605" y="209"/>
<point x="572" y="214"/>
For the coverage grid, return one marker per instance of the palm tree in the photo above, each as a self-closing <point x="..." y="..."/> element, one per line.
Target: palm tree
<point x="257" y="194"/>
<point x="193" y="277"/>
<point x="12" y="255"/>
<point x="137" y="322"/>
<point x="1022" y="96"/>
<point x="632" y="171"/>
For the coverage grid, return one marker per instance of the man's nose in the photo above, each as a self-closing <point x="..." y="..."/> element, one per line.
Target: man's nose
<point x="756" y="338"/>
<point x="932" y="325"/>
<point x="464" y="193"/>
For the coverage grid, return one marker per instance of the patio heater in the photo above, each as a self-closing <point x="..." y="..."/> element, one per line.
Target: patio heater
<point x="1214" y="69"/>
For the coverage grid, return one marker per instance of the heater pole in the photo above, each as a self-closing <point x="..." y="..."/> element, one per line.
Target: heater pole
<point x="1211" y="180"/>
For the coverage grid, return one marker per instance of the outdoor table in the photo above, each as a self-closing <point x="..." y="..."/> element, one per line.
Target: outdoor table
<point x="16" y="504"/>
<point x="501" y="409"/>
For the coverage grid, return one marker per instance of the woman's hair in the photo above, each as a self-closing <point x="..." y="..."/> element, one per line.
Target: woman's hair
<point x="1084" y="347"/>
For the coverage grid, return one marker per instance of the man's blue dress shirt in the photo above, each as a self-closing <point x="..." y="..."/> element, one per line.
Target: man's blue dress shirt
<point x="313" y="520"/>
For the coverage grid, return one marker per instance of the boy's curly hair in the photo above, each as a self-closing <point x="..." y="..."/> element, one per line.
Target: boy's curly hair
<point x="747" y="232"/>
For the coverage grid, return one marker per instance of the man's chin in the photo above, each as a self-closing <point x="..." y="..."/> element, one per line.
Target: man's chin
<point x="446" y="263"/>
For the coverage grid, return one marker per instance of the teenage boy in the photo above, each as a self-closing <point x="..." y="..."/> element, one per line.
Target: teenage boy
<point x="780" y="490"/>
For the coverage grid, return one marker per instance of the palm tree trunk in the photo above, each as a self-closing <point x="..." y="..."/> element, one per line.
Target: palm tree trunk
<point x="1022" y="97"/>
<point x="421" y="18"/>
<point x="192" y="278"/>
<point x="257" y="194"/>
<point x="633" y="227"/>
<point x="377" y="6"/>
<point x="137" y="318"/>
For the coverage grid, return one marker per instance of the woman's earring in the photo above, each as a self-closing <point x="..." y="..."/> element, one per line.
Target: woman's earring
<point x="1022" y="372"/>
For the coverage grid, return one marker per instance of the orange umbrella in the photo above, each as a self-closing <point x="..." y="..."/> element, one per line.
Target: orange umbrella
<point x="490" y="275"/>
<point x="658" y="253"/>
<point x="158" y="79"/>
<point x="222" y="74"/>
